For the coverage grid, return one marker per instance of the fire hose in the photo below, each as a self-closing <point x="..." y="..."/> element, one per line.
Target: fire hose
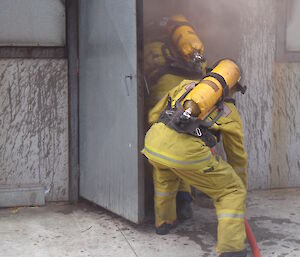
<point x="251" y="239"/>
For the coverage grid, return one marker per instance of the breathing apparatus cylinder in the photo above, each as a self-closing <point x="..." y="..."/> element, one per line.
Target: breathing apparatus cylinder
<point x="185" y="39"/>
<point x="201" y="101"/>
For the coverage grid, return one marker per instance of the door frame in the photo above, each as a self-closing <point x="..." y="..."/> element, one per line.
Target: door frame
<point x="143" y="195"/>
<point x="73" y="97"/>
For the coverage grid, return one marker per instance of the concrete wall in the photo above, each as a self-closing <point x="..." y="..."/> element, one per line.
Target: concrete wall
<point x="34" y="124"/>
<point x="32" y="23"/>
<point x="271" y="107"/>
<point x="246" y="31"/>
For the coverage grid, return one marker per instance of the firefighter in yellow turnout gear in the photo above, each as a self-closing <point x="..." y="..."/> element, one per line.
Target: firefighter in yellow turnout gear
<point x="167" y="62"/>
<point x="176" y="156"/>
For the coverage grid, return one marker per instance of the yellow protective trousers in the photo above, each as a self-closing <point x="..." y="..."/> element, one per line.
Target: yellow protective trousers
<point x="165" y="191"/>
<point x="219" y="181"/>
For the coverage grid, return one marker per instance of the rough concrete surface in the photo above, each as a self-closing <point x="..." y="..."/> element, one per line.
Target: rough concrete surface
<point x="60" y="229"/>
<point x="34" y="125"/>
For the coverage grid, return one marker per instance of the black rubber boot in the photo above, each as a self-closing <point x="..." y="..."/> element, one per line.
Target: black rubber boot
<point x="235" y="254"/>
<point x="183" y="206"/>
<point x="165" y="228"/>
<point x="184" y="211"/>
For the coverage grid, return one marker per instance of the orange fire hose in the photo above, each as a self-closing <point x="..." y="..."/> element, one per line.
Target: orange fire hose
<point x="252" y="240"/>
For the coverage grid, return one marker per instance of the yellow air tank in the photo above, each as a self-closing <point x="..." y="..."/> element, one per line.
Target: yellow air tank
<point x="184" y="37"/>
<point x="203" y="98"/>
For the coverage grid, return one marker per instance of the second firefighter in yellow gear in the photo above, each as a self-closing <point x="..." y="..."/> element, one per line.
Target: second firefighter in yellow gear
<point x="165" y="65"/>
<point x="170" y="212"/>
<point x="176" y="156"/>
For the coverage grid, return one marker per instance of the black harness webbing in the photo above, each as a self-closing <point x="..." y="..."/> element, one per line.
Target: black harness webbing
<point x="229" y="100"/>
<point x="177" y="119"/>
<point x="174" y="65"/>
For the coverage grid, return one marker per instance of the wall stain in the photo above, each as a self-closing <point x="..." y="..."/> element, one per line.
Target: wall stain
<point x="34" y="124"/>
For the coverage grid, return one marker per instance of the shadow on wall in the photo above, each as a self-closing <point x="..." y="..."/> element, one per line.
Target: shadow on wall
<point x="218" y="23"/>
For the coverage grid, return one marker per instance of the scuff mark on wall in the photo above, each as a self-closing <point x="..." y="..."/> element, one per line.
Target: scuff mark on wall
<point x="34" y="125"/>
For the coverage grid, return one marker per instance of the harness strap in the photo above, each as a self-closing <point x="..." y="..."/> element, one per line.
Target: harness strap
<point x="175" y="119"/>
<point x="170" y="119"/>
<point x="221" y="80"/>
<point x="174" y="65"/>
<point x="229" y="100"/>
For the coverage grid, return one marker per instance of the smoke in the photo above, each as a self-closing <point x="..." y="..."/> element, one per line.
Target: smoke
<point x="218" y="22"/>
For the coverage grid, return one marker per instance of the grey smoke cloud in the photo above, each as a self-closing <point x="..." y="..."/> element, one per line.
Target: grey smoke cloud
<point x="218" y="22"/>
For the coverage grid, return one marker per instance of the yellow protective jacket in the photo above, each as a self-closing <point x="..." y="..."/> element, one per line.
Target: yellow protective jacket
<point x="179" y="150"/>
<point x="164" y="84"/>
<point x="231" y="127"/>
<point x="158" y="78"/>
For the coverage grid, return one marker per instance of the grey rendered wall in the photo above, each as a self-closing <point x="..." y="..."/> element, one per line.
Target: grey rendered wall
<point x="32" y="23"/>
<point x="271" y="108"/>
<point x="34" y="125"/>
<point x="246" y="31"/>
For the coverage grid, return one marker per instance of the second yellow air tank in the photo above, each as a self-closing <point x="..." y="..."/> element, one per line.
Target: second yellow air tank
<point x="184" y="37"/>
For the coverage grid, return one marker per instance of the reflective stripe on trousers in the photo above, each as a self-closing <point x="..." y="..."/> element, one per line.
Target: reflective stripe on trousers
<point x="171" y="159"/>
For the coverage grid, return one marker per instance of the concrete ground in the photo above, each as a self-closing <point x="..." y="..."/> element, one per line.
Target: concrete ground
<point x="84" y="230"/>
